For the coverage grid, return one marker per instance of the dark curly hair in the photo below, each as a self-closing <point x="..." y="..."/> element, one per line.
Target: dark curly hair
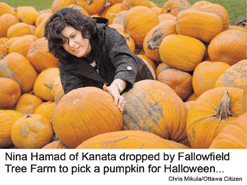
<point x="58" y="21"/>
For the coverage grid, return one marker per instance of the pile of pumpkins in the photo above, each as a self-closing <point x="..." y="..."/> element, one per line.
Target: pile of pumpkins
<point x="198" y="98"/>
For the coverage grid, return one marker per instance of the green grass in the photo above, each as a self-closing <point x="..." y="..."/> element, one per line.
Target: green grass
<point x="235" y="8"/>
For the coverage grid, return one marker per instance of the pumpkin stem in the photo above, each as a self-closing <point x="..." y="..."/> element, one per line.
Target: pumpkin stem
<point x="169" y="9"/>
<point x="89" y="2"/>
<point x="49" y="85"/>
<point x="32" y="49"/>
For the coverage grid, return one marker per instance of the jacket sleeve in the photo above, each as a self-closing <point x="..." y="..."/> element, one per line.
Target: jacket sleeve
<point x="121" y="57"/>
<point x="69" y="81"/>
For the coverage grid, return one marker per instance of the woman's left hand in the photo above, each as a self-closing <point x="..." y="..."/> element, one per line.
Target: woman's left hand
<point x="114" y="92"/>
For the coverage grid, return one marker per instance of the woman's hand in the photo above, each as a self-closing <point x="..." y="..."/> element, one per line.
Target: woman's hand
<point x="114" y="91"/>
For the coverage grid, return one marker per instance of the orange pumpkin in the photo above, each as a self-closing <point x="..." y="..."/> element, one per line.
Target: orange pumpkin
<point x="27" y="14"/>
<point x="244" y="100"/>
<point x="55" y="145"/>
<point x="22" y="45"/>
<point x="40" y="57"/>
<point x="114" y="1"/>
<point x="199" y="4"/>
<point x="112" y="12"/>
<point x="92" y="6"/>
<point x="27" y="103"/>
<point x="198" y="24"/>
<point x="188" y="104"/>
<point x="18" y="68"/>
<point x="154" y="37"/>
<point x="3" y="47"/>
<point x="138" y="22"/>
<point x="154" y="107"/>
<point x="228" y="46"/>
<point x="31" y="131"/>
<point x="59" y="4"/>
<point x="161" y="67"/>
<point x="118" y="27"/>
<point x="218" y="10"/>
<point x="236" y="28"/>
<point x="81" y="9"/>
<point x="126" y="140"/>
<point x="104" y="11"/>
<point x="234" y="76"/>
<point x="41" y="17"/>
<point x="173" y="7"/>
<point x="192" y="97"/>
<point x="7" y="119"/>
<point x="19" y="29"/>
<point x="181" y="52"/>
<point x="210" y="113"/>
<point x="6" y="21"/>
<point x="179" y="81"/>
<point x="83" y="113"/>
<point x="39" y="31"/>
<point x="206" y="74"/>
<point x="46" y="109"/>
<point x="166" y="16"/>
<point x="57" y="89"/>
<point x="128" y="4"/>
<point x="43" y="84"/>
<point x="6" y="9"/>
<point x="156" y="10"/>
<point x="233" y="136"/>
<point x="150" y="64"/>
<point x="10" y="92"/>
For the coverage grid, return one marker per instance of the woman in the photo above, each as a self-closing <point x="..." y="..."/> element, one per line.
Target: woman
<point x="92" y="54"/>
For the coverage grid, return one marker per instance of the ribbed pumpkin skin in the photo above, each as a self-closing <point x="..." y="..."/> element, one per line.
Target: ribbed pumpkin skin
<point x="7" y="120"/>
<point x="43" y="84"/>
<point x="138" y="22"/>
<point x="228" y="46"/>
<point x="218" y="10"/>
<point x="234" y="76"/>
<point x="83" y="113"/>
<point x="40" y="57"/>
<point x="233" y="136"/>
<point x="179" y="81"/>
<point x="154" y="37"/>
<point x="54" y="145"/>
<point x="201" y="25"/>
<point x="128" y="4"/>
<point x="126" y="140"/>
<point x="203" y="123"/>
<point x="206" y="74"/>
<point x="27" y="103"/>
<point x="10" y="92"/>
<point x="244" y="100"/>
<point x="92" y="6"/>
<point x="173" y="7"/>
<point x="31" y="131"/>
<point x="181" y="52"/>
<point x="154" y="107"/>
<point x="11" y="66"/>
<point x="27" y="14"/>
<point x="6" y="21"/>
<point x="18" y="30"/>
<point x="22" y="45"/>
<point x="59" y="4"/>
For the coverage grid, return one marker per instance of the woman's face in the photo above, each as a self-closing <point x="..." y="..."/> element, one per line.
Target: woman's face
<point x="75" y="44"/>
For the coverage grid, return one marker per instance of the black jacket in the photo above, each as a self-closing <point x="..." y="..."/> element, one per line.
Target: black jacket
<point x="113" y="60"/>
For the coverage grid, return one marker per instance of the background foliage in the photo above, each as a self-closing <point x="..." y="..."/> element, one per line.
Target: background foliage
<point x="235" y="8"/>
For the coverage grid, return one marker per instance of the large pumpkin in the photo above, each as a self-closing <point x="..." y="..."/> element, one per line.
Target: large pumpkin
<point x="55" y="145"/>
<point x="181" y="52"/>
<point x="198" y="24"/>
<point x="83" y="113"/>
<point x="18" y="68"/>
<point x="228" y="46"/>
<point x="40" y="57"/>
<point x="154" y="107"/>
<point x="179" y="81"/>
<point x="126" y="140"/>
<point x="10" y="92"/>
<point x="31" y="131"/>
<point x="234" y="76"/>
<point x="5" y="8"/>
<point x="210" y="113"/>
<point x="59" y="4"/>
<point x="154" y="37"/>
<point x="233" y="136"/>
<point x="7" y="119"/>
<point x="112" y="12"/>
<point x="138" y="22"/>
<point x="19" y="29"/>
<point x="27" y="14"/>
<point x="92" y="6"/>
<point x="173" y="7"/>
<point x="6" y="21"/>
<point x="244" y="100"/>
<point x="206" y="74"/>
<point x="128" y="4"/>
